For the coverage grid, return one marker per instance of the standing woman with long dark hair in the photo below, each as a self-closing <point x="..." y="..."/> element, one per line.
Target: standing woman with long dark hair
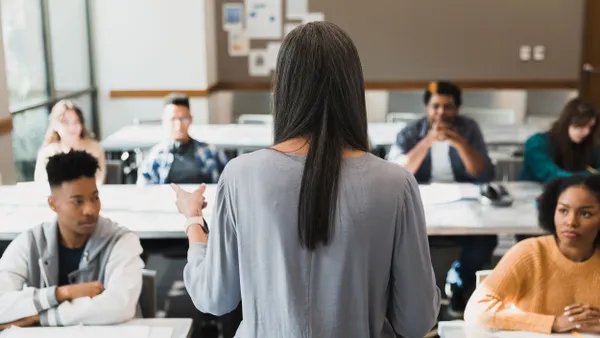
<point x="569" y="148"/>
<point x="315" y="236"/>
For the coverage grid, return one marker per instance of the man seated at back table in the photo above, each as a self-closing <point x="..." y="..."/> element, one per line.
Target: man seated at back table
<point x="78" y="268"/>
<point x="447" y="147"/>
<point x="180" y="159"/>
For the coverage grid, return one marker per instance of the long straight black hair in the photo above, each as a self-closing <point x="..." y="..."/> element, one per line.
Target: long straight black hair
<point x="319" y="94"/>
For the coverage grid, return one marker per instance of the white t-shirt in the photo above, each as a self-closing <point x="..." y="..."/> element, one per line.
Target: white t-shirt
<point x="441" y="167"/>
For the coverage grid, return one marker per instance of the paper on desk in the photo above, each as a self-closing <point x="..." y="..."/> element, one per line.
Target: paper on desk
<point x="438" y="193"/>
<point x="78" y="331"/>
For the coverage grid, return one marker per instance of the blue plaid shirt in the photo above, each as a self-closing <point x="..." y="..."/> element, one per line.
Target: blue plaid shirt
<point x="157" y="164"/>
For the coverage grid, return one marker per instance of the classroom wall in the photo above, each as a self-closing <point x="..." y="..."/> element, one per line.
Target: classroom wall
<point x="179" y="44"/>
<point x="150" y="45"/>
<point x="408" y="40"/>
<point x="7" y="164"/>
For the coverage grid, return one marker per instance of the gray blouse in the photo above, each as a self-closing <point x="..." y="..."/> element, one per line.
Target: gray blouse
<point x="374" y="278"/>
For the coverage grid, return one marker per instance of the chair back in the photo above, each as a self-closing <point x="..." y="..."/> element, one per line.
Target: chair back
<point x="147" y="301"/>
<point x="481" y="275"/>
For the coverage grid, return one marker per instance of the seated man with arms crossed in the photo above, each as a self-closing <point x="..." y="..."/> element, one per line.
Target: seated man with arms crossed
<point x="79" y="268"/>
<point x="446" y="147"/>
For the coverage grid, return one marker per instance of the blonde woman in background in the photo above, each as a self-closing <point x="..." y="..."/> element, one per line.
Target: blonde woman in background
<point x="66" y="131"/>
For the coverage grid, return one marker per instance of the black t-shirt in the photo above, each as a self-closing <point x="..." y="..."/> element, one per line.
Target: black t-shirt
<point x="68" y="261"/>
<point x="185" y="169"/>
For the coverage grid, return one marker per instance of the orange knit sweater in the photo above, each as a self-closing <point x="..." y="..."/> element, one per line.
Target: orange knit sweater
<point x="531" y="285"/>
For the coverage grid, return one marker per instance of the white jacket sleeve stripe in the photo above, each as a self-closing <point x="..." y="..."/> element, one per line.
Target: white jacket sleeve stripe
<point x="122" y="289"/>
<point x="45" y="298"/>
<point x="16" y="300"/>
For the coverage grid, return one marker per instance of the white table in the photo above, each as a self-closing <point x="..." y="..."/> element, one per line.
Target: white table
<point x="138" y="328"/>
<point x="248" y="137"/>
<point x="182" y="327"/>
<point x="459" y="329"/>
<point x="151" y="212"/>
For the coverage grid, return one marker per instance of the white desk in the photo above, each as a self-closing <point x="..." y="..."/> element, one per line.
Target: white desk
<point x="250" y="137"/>
<point x="245" y="137"/>
<point x="182" y="327"/>
<point x="459" y="329"/>
<point x="152" y="214"/>
<point x="138" y="328"/>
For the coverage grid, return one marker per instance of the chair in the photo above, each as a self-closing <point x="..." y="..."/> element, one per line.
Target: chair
<point x="255" y="119"/>
<point x="114" y="172"/>
<point x="147" y="301"/>
<point x="402" y="117"/>
<point x="481" y="275"/>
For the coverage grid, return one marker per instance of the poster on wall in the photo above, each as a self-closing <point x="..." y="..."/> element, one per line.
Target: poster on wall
<point x="258" y="63"/>
<point x="263" y="19"/>
<point x="296" y="9"/>
<point x="239" y="45"/>
<point x="233" y="14"/>
<point x="289" y="27"/>
<point x="312" y="17"/>
<point x="272" y="51"/>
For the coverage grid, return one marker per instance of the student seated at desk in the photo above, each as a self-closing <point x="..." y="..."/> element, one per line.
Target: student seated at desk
<point x="66" y="131"/>
<point x="79" y="268"/>
<point x="180" y="159"/>
<point x="549" y="283"/>
<point x="447" y="147"/>
<point x="569" y="148"/>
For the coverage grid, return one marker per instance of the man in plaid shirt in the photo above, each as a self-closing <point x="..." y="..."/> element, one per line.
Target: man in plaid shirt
<point x="180" y="159"/>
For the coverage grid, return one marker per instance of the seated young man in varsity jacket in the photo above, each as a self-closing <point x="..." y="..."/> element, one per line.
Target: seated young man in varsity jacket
<point x="79" y="268"/>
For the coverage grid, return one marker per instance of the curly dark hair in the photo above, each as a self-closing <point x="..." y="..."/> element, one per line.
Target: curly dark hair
<point x="67" y="167"/>
<point x="549" y="199"/>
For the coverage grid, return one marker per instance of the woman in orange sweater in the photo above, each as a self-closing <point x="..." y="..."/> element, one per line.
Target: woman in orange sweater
<point x="550" y="283"/>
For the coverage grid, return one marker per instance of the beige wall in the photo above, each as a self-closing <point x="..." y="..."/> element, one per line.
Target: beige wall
<point x="404" y="40"/>
<point x="7" y="164"/>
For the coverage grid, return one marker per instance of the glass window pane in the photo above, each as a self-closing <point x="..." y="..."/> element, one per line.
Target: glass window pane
<point x="69" y="41"/>
<point x="28" y="133"/>
<point x="24" y="52"/>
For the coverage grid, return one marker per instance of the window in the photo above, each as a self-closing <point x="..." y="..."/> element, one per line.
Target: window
<point x="47" y="51"/>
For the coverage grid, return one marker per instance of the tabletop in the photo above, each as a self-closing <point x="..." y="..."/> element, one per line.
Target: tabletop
<point x="450" y="209"/>
<point x="182" y="327"/>
<point x="137" y="328"/>
<point x="459" y="329"/>
<point x="254" y="136"/>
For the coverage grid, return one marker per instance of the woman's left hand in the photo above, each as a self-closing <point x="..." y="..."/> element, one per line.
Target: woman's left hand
<point x="190" y="204"/>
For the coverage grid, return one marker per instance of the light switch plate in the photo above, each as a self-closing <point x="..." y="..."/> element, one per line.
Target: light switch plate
<point x="539" y="53"/>
<point x="525" y="53"/>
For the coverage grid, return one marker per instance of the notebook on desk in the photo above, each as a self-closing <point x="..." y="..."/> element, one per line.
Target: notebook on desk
<point x="89" y="332"/>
